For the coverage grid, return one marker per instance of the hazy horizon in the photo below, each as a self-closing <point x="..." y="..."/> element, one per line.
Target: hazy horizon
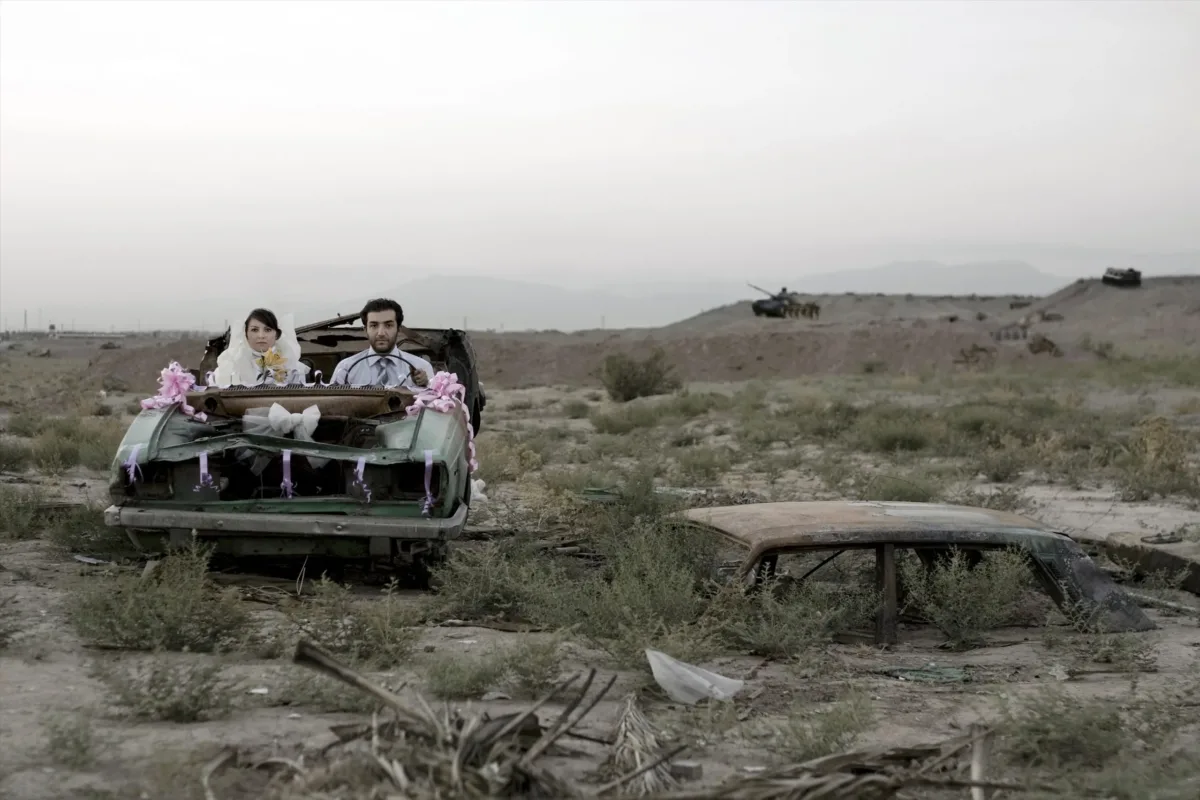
<point x="216" y="156"/>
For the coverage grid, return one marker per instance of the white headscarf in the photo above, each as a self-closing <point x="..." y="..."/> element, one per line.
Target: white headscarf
<point x="238" y="364"/>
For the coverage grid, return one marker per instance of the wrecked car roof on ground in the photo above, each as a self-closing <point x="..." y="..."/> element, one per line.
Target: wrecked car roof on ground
<point x="1065" y="571"/>
<point x="769" y="526"/>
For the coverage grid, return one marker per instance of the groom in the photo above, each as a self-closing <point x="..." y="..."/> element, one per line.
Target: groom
<point x="383" y="363"/>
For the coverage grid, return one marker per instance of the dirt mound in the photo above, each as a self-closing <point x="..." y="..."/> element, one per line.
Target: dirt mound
<point x="511" y="362"/>
<point x="856" y="309"/>
<point x="1164" y="312"/>
<point x="1159" y="296"/>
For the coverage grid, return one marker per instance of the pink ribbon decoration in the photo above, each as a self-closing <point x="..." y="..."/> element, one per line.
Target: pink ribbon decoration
<point x="174" y="384"/>
<point x="132" y="470"/>
<point x="206" y="480"/>
<point x="288" y="486"/>
<point x="360" y="479"/>
<point x="444" y="394"/>
<point x="427" y="504"/>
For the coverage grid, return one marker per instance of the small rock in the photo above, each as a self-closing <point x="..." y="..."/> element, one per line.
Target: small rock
<point x="495" y="696"/>
<point x="687" y="770"/>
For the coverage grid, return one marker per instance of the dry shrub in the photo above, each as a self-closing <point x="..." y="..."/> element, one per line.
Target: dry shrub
<point x="322" y="694"/>
<point x="962" y="600"/>
<point x="1081" y="737"/>
<point x="626" y="378"/>
<point x="629" y="418"/>
<point x="503" y="579"/>
<point x="70" y="740"/>
<point x="15" y="455"/>
<point x="505" y="459"/>
<point x="81" y="529"/>
<point x="810" y="732"/>
<point x="1158" y="462"/>
<point x="20" y="513"/>
<point x="911" y="488"/>
<point x="67" y="442"/>
<point x="460" y="676"/>
<point x="9" y="627"/>
<point x="575" y="409"/>
<point x="1128" y="652"/>
<point x="175" y="607"/>
<point x="25" y="424"/>
<point x="379" y="632"/>
<point x="704" y="465"/>
<point x="648" y="590"/>
<point x="527" y="668"/>
<point x="786" y="619"/>
<point x="170" y="691"/>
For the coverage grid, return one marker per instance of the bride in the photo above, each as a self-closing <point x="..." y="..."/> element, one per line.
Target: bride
<point x="265" y="351"/>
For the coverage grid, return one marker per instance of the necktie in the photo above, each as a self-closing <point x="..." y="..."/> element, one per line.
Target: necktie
<point x="383" y="372"/>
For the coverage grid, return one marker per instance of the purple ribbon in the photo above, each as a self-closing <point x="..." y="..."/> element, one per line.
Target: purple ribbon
<point x="360" y="479"/>
<point x="206" y="480"/>
<point x="287" y="484"/>
<point x="427" y="505"/>
<point x="132" y="470"/>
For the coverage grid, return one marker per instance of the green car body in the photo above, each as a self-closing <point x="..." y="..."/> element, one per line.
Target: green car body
<point x="363" y="497"/>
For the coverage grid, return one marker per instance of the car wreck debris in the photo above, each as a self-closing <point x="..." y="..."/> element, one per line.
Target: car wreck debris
<point x="765" y="532"/>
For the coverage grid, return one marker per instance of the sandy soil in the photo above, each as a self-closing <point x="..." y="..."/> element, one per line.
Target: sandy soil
<point x="46" y="670"/>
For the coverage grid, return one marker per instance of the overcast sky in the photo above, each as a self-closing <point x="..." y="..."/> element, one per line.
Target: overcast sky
<point x="245" y="145"/>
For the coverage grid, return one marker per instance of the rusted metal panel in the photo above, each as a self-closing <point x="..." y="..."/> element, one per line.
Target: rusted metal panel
<point x="764" y="527"/>
<point x="885" y="579"/>
<point x="302" y="525"/>
<point x="344" y="401"/>
<point x="803" y="522"/>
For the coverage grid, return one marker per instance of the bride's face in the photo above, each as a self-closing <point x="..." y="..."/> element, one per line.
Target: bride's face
<point x="260" y="336"/>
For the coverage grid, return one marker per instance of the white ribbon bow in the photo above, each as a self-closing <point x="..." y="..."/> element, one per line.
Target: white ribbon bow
<point x="302" y="424"/>
<point x="279" y="421"/>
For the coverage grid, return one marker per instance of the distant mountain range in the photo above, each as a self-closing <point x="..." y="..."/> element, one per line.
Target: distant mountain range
<point x="482" y="303"/>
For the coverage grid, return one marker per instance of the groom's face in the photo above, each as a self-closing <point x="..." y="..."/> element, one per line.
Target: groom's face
<point x="382" y="330"/>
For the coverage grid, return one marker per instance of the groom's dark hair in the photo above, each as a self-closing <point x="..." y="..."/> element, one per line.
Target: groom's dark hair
<point x="383" y="304"/>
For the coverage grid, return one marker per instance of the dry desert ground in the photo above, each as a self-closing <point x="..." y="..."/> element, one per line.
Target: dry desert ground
<point x="181" y="683"/>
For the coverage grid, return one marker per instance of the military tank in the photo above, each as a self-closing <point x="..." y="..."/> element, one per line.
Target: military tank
<point x="1121" y="277"/>
<point x="774" y="305"/>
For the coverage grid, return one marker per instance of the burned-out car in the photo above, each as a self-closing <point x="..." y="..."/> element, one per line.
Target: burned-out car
<point x="362" y="473"/>
<point x="759" y="538"/>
